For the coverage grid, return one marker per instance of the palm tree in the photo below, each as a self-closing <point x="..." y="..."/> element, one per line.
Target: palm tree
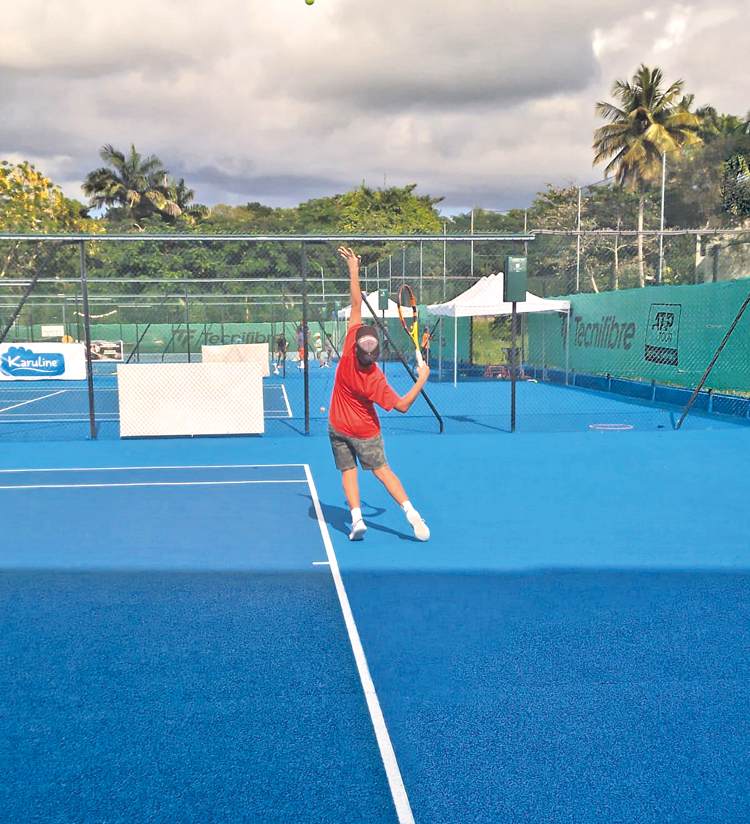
<point x="137" y="186"/>
<point x="647" y="122"/>
<point x="184" y="197"/>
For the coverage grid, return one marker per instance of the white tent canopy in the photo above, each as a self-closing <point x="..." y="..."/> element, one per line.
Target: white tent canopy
<point x="485" y="299"/>
<point x="372" y="299"/>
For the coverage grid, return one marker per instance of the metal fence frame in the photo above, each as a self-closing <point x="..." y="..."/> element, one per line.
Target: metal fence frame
<point x="305" y="242"/>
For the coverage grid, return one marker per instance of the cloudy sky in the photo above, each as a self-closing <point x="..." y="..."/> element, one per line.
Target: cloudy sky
<point x="481" y="102"/>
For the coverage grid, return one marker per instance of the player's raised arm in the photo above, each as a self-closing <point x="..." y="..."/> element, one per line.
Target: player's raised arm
<point x="355" y="292"/>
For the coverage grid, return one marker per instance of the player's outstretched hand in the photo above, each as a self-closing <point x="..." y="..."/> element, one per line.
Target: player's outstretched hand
<point x="350" y="256"/>
<point x="423" y="372"/>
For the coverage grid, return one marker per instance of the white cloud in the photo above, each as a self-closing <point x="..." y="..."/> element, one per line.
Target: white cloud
<point x="277" y="101"/>
<point x="675" y="30"/>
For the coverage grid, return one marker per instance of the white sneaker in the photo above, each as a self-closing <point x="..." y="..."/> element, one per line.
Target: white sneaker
<point x="358" y="531"/>
<point x="421" y="530"/>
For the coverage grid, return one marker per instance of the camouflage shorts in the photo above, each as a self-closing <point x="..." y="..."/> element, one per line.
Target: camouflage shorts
<point x="346" y="451"/>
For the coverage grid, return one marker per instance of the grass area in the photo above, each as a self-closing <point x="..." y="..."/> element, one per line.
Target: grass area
<point x="489" y="340"/>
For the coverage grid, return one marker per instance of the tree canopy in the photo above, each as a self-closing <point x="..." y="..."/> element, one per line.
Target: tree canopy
<point x="137" y="188"/>
<point x="646" y="121"/>
<point x="31" y="202"/>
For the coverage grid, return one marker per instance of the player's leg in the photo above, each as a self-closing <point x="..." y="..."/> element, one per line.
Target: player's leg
<point x="371" y="453"/>
<point x="390" y="481"/>
<point x="344" y="455"/>
<point x="350" y="483"/>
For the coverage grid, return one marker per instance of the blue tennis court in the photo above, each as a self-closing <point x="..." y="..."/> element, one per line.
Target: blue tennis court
<point x="49" y="410"/>
<point x="570" y="645"/>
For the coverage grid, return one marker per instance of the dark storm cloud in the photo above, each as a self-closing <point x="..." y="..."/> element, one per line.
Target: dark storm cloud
<point x="480" y="53"/>
<point x="257" y="187"/>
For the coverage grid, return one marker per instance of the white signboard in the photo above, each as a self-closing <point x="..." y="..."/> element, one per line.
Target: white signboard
<point x="238" y="352"/>
<point x="53" y="331"/>
<point x="42" y="362"/>
<point x="168" y="399"/>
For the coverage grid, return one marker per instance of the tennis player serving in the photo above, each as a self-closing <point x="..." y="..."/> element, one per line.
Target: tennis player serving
<point x="353" y="424"/>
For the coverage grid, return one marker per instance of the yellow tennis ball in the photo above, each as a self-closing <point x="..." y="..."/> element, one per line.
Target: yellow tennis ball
<point x="322" y="409"/>
<point x="309" y="2"/>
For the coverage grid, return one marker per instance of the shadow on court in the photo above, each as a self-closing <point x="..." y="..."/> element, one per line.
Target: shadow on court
<point x="339" y="518"/>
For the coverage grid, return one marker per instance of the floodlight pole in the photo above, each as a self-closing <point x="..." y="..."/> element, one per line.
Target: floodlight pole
<point x="661" y="227"/>
<point x="472" y="243"/>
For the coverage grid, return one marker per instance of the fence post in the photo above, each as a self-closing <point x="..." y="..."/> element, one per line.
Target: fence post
<point x="513" y="366"/>
<point x="87" y="334"/>
<point x="305" y="371"/>
<point x="187" y="322"/>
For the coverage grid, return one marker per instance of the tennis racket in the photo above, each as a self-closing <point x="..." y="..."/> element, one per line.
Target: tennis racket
<point x="405" y="293"/>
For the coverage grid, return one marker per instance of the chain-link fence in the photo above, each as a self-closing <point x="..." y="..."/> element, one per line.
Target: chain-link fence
<point x="604" y="260"/>
<point x="134" y="336"/>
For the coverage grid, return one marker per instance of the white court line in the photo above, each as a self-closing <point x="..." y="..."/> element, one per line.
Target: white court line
<point x="34" y="400"/>
<point x="32" y="417"/>
<point x="286" y="400"/>
<point x="398" y="791"/>
<point x="147" y="483"/>
<point x="179" y="466"/>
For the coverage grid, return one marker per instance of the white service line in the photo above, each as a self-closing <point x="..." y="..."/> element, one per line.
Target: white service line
<point x="120" y="468"/>
<point x="398" y="791"/>
<point x="34" y="400"/>
<point x="32" y="417"/>
<point x="286" y="400"/>
<point x="147" y="483"/>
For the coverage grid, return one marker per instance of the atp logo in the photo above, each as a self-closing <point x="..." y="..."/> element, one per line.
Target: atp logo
<point x="20" y="362"/>
<point x="663" y="333"/>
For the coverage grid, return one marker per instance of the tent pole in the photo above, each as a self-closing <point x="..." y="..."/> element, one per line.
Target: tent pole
<point x="440" y="351"/>
<point x="455" y="350"/>
<point x="567" y="349"/>
<point x="513" y="368"/>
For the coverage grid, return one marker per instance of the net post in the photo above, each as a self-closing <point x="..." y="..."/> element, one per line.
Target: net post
<point x="87" y="333"/>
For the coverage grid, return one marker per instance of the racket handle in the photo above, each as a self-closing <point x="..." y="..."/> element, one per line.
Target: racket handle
<point x="420" y="359"/>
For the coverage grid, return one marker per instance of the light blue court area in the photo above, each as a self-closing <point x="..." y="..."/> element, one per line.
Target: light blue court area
<point x="570" y="645"/>
<point x="484" y="406"/>
<point x="214" y="518"/>
<point x="59" y="410"/>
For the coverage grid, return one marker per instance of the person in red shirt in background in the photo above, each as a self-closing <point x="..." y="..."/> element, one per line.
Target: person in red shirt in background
<point x="353" y="425"/>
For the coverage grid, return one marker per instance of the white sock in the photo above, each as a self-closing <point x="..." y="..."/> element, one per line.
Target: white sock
<point x="356" y="515"/>
<point x="406" y="506"/>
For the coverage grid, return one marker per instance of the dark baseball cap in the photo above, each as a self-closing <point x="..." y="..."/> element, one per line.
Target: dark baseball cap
<point x="367" y="346"/>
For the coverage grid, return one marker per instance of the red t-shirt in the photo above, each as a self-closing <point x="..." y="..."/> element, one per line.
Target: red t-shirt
<point x="356" y="391"/>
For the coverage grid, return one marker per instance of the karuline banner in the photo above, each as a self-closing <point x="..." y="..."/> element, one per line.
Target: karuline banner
<point x="42" y="361"/>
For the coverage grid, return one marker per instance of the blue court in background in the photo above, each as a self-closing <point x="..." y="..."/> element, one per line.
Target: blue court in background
<point x="47" y="410"/>
<point x="570" y="645"/>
